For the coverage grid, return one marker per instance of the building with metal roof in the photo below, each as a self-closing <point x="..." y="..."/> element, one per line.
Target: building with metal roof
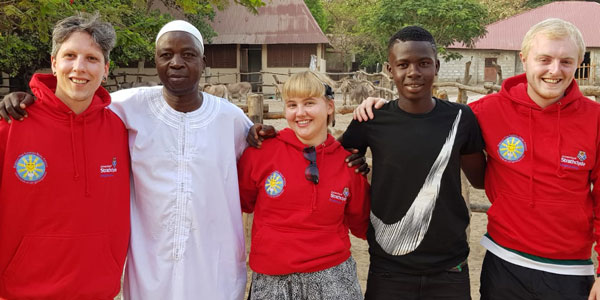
<point x="502" y="43"/>
<point x="281" y="39"/>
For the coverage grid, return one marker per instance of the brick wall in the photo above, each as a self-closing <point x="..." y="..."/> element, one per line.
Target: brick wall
<point x="454" y="69"/>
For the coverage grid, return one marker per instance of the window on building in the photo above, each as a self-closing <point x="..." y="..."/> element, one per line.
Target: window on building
<point x="489" y="72"/>
<point x="290" y="55"/>
<point x="221" y="56"/>
<point x="583" y="71"/>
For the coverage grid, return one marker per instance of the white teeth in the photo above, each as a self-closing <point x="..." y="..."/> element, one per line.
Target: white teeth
<point x="303" y="122"/>
<point x="78" y="80"/>
<point x="551" y="80"/>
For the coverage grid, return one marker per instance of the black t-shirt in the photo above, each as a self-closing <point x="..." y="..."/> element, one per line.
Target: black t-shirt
<point x="417" y="156"/>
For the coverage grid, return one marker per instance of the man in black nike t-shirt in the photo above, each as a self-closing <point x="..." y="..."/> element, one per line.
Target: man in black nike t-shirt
<point x="417" y="239"/>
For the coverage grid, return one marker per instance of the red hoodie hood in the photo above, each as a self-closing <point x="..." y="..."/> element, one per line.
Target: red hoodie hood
<point x="43" y="87"/>
<point x="515" y="89"/>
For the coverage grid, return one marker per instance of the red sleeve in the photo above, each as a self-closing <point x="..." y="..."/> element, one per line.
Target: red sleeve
<point x="594" y="179"/>
<point x="4" y="127"/>
<point x="358" y="207"/>
<point x="246" y="180"/>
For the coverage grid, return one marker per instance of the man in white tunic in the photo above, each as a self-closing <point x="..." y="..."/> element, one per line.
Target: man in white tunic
<point x="186" y="227"/>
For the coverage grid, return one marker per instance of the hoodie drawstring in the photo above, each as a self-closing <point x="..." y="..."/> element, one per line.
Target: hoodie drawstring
<point x="532" y="198"/>
<point x="85" y="173"/>
<point x="75" y="172"/>
<point x="74" y="149"/>
<point x="559" y="170"/>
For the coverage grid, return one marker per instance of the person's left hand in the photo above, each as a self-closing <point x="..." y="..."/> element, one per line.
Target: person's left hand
<point x="595" y="292"/>
<point x="14" y="104"/>
<point x="357" y="159"/>
<point x="258" y="132"/>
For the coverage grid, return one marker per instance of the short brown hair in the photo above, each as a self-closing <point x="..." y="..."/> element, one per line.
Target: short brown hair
<point x="102" y="33"/>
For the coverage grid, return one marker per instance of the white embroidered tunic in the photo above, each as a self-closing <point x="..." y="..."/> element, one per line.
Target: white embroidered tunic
<point x="186" y="227"/>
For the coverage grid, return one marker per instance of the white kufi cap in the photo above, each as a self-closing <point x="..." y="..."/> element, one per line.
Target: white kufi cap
<point x="180" y="25"/>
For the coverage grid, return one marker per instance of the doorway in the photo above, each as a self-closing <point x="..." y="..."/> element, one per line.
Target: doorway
<point x="251" y="62"/>
<point x="489" y="72"/>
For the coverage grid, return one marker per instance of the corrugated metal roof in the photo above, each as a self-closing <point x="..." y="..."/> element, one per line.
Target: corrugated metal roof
<point x="508" y="34"/>
<point x="278" y="22"/>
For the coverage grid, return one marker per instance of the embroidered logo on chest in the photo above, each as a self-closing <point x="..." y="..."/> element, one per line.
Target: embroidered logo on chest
<point x="339" y="198"/>
<point x="274" y="184"/>
<point x="572" y="162"/>
<point x="30" y="167"/>
<point x="109" y="170"/>
<point x="512" y="148"/>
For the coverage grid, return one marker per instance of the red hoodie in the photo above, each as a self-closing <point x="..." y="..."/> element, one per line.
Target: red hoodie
<point x="64" y="200"/>
<point x="300" y="226"/>
<point x="541" y="163"/>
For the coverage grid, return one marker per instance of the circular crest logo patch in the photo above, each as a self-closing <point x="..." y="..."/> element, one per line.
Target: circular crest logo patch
<point x="512" y="148"/>
<point x="346" y="192"/>
<point x="30" y="167"/>
<point x="581" y="155"/>
<point x="274" y="184"/>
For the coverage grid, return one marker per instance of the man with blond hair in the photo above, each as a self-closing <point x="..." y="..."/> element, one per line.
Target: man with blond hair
<point x="542" y="137"/>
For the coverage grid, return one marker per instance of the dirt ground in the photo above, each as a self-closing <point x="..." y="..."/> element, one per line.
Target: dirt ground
<point x="360" y="247"/>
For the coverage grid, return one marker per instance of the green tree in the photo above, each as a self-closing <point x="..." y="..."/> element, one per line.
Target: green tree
<point x="345" y="32"/>
<point x="26" y="28"/>
<point x="502" y="9"/>
<point x="317" y="11"/>
<point x="449" y="21"/>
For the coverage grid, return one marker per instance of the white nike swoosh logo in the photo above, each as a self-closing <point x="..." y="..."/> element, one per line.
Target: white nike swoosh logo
<point x="407" y="234"/>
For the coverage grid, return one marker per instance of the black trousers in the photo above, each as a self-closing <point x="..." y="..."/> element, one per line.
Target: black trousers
<point x="502" y="280"/>
<point x="447" y="285"/>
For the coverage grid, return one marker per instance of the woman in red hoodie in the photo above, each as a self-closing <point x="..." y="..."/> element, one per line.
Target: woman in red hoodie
<point x="304" y="200"/>
<point x="64" y="177"/>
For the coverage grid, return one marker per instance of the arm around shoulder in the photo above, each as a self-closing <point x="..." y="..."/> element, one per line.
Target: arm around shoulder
<point x="358" y="207"/>
<point x="472" y="158"/>
<point x="246" y="181"/>
<point x="355" y="137"/>
<point x="473" y="165"/>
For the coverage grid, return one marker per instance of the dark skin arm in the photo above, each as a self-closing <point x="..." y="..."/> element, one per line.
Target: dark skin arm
<point x="356" y="159"/>
<point x="259" y="132"/>
<point x="473" y="165"/>
<point x="14" y="104"/>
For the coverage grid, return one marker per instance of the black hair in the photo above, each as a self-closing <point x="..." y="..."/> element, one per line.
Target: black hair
<point x="413" y="33"/>
<point x="328" y="91"/>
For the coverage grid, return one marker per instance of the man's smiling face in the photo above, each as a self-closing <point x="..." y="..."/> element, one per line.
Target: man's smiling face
<point x="179" y="62"/>
<point x="550" y="67"/>
<point x="413" y="65"/>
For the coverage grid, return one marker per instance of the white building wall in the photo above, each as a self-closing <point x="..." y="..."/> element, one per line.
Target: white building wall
<point x="454" y="70"/>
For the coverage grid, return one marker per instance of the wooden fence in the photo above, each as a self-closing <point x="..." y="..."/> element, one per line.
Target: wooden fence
<point x="586" y="74"/>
